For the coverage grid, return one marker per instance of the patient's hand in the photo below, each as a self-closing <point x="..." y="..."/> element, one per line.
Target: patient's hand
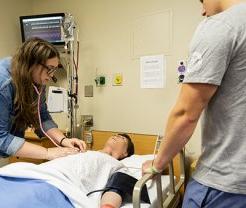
<point x="75" y="143"/>
<point x="55" y="152"/>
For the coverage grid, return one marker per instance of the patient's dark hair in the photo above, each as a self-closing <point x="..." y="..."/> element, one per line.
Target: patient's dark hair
<point x="130" y="145"/>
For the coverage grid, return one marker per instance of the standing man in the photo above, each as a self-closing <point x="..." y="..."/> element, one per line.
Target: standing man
<point x="215" y="82"/>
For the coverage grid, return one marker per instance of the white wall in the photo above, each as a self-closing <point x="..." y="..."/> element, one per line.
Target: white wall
<point x="10" y="11"/>
<point x="106" y="38"/>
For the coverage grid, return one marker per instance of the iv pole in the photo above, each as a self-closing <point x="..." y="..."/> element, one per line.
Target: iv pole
<point x="71" y="44"/>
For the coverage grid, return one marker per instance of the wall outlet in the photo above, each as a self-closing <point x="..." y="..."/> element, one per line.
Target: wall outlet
<point x="88" y="90"/>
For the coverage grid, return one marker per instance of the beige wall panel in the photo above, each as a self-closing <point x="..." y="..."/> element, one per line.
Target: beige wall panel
<point x="152" y="34"/>
<point x="10" y="36"/>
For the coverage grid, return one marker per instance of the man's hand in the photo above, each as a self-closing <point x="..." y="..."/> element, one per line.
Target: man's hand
<point x="148" y="167"/>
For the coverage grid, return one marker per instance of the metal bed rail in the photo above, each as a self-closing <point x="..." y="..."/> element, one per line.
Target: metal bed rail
<point x="164" y="199"/>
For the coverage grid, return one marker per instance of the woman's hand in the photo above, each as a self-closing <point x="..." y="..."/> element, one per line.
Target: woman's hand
<point x="75" y="143"/>
<point x="55" y="152"/>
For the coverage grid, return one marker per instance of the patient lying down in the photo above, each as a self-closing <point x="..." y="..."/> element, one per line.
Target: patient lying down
<point x="65" y="182"/>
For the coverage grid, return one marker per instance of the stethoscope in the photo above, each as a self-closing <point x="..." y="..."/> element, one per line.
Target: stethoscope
<point x="39" y="116"/>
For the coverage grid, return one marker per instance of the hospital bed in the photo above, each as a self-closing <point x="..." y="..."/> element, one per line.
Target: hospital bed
<point x="168" y="188"/>
<point x="73" y="176"/>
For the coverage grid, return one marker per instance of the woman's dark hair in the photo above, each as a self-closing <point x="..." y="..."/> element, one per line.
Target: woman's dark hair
<point x="31" y="53"/>
<point x="130" y="145"/>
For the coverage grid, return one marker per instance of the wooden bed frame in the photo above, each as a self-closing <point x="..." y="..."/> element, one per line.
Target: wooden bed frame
<point x="145" y="144"/>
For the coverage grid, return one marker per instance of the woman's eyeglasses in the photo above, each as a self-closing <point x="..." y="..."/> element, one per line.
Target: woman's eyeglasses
<point x="51" y="69"/>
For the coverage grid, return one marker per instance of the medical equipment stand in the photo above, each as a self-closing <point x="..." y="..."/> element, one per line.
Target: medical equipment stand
<point x="72" y="44"/>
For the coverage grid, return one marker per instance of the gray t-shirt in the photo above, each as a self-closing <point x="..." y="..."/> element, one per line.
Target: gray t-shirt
<point x="218" y="57"/>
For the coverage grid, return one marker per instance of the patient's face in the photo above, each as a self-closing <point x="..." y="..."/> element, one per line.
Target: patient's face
<point x="116" y="146"/>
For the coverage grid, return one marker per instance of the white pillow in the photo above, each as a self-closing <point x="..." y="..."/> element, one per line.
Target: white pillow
<point x="136" y="160"/>
<point x="134" y="163"/>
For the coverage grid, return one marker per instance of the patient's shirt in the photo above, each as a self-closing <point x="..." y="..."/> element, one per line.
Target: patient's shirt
<point x="218" y="57"/>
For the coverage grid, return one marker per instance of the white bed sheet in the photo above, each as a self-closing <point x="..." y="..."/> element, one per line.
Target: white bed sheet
<point x="143" y="205"/>
<point x="75" y="175"/>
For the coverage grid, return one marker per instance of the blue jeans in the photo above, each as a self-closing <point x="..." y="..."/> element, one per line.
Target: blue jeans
<point x="200" y="196"/>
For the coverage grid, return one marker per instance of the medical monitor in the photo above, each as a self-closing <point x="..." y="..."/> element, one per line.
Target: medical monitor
<point x="45" y="26"/>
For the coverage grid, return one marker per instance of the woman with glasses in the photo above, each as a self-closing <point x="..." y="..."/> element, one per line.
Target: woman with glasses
<point x="22" y="99"/>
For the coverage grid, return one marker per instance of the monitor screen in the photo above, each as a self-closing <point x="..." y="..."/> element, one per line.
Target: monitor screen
<point x="45" y="26"/>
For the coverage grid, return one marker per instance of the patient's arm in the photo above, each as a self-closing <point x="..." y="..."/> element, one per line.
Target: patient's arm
<point x="111" y="200"/>
<point x="119" y="188"/>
